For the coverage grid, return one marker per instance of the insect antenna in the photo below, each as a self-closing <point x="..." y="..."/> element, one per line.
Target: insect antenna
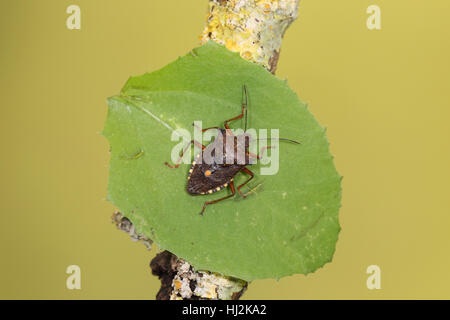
<point x="282" y="139"/>
<point x="289" y="140"/>
<point x="244" y="103"/>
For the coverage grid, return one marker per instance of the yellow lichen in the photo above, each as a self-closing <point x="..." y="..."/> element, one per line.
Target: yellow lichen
<point x="231" y="45"/>
<point x="252" y="28"/>
<point x="246" y="55"/>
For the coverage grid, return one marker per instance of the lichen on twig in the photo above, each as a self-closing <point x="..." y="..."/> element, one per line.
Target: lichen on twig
<point x="254" y="28"/>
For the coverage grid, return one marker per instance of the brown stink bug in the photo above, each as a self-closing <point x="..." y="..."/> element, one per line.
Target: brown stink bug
<point x="218" y="173"/>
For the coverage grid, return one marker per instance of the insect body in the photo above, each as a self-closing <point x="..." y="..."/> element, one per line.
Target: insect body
<point x="228" y="155"/>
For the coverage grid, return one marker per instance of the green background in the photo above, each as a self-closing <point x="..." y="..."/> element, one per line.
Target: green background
<point x="384" y="96"/>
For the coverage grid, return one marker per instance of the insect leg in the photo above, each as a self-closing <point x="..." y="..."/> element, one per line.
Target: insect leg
<point x="263" y="149"/>
<point x="203" y="130"/>
<point x="244" y="111"/>
<point x="251" y="177"/>
<point x="215" y="201"/>
<point x="198" y="144"/>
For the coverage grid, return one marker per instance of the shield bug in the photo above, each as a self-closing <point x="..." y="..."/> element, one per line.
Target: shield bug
<point x="218" y="173"/>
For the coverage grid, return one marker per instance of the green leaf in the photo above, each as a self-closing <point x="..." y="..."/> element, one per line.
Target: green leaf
<point x="288" y="224"/>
